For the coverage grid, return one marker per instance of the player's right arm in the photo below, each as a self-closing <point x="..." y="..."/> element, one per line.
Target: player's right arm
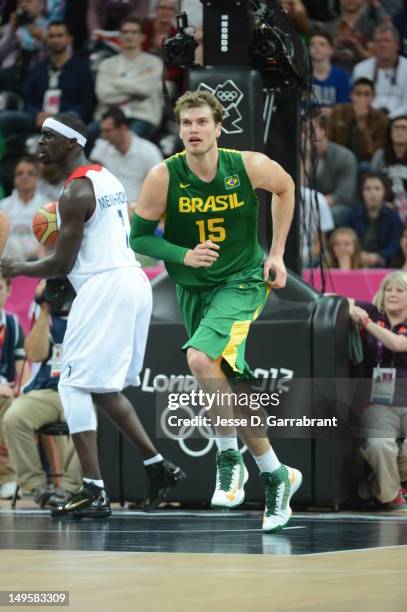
<point x="149" y="209"/>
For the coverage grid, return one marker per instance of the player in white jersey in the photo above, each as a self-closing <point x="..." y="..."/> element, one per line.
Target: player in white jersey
<point x="107" y="328"/>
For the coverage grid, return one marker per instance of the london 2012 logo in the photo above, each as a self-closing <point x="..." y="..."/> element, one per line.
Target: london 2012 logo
<point x="230" y="96"/>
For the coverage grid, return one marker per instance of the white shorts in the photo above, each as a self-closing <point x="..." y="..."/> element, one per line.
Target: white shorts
<point x="107" y="330"/>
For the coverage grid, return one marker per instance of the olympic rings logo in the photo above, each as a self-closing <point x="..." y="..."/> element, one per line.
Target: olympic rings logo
<point x="227" y="96"/>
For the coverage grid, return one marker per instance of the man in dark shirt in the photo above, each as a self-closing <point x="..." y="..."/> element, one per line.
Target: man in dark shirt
<point x="62" y="83"/>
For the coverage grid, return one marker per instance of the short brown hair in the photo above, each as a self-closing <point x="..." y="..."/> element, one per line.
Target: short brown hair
<point x="134" y="20"/>
<point x="322" y="34"/>
<point x="195" y="99"/>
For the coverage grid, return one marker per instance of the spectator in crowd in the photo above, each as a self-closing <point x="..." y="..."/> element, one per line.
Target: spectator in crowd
<point x="61" y="83"/>
<point x="353" y="31"/>
<point x="377" y="225"/>
<point x="38" y="405"/>
<point x="159" y="26"/>
<point x="400" y="260"/>
<point x="126" y="155"/>
<point x="330" y="84"/>
<point x="383" y="424"/>
<point x="22" y="43"/>
<point x="344" y="250"/>
<point x="357" y="125"/>
<point x="132" y="81"/>
<point x="297" y="12"/>
<point x="11" y="369"/>
<point x="156" y="29"/>
<point x="388" y="70"/>
<point x="336" y="173"/>
<point x="392" y="161"/>
<point x="21" y="207"/>
<point x="109" y="14"/>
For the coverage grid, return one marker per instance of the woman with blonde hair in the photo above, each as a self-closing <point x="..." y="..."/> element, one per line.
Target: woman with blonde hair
<point x="383" y="326"/>
<point x="344" y="249"/>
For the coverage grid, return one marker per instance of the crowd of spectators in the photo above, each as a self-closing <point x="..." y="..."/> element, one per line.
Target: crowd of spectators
<point x="90" y="58"/>
<point x="358" y="128"/>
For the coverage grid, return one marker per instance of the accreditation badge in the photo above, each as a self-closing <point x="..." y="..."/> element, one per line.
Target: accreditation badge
<point x="56" y="360"/>
<point x="383" y="386"/>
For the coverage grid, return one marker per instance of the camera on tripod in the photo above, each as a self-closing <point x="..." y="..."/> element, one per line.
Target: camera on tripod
<point x="179" y="51"/>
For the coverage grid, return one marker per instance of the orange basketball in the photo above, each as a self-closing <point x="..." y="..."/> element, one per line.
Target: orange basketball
<point x="45" y="224"/>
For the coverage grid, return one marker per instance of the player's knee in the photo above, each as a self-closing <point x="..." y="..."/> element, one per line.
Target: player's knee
<point x="199" y="363"/>
<point x="78" y="409"/>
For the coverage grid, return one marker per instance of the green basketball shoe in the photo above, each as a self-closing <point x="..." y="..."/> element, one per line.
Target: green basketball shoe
<point x="279" y="486"/>
<point x="231" y="476"/>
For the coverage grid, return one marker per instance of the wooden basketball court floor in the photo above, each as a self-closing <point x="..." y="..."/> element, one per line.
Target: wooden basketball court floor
<point x="175" y="561"/>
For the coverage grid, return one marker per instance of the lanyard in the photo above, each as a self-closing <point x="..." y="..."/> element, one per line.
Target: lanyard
<point x="379" y="351"/>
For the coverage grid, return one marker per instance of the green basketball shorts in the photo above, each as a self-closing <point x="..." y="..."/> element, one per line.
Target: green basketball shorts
<point x="218" y="319"/>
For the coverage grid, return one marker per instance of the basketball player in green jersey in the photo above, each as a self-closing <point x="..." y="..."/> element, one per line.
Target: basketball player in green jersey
<point x="211" y="251"/>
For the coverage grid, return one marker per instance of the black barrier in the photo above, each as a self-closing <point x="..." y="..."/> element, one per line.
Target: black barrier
<point x="299" y="335"/>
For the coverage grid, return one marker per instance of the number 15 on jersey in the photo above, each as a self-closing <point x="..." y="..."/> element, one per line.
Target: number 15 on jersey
<point x="211" y="229"/>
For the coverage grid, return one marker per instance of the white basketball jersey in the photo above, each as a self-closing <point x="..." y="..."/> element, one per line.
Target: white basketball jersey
<point x="105" y="243"/>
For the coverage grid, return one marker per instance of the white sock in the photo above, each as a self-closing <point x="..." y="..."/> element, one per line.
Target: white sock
<point x="98" y="483"/>
<point x="156" y="459"/>
<point x="224" y="444"/>
<point x="268" y="462"/>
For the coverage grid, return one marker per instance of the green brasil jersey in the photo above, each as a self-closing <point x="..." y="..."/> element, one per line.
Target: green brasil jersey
<point x="224" y="211"/>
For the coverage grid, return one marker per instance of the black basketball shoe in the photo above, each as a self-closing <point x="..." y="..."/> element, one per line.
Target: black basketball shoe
<point x="163" y="476"/>
<point x="89" y="502"/>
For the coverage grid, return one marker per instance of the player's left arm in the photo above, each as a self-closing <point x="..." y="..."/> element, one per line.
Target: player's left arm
<point x="75" y="206"/>
<point x="267" y="174"/>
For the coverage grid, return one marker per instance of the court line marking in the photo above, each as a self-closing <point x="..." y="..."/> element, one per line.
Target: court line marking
<point x="70" y="523"/>
<point x="236" y="514"/>
<point x="351" y="517"/>
<point x="351" y="550"/>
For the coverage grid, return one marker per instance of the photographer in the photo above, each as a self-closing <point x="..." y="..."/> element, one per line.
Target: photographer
<point x="39" y="403"/>
<point x="22" y="43"/>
